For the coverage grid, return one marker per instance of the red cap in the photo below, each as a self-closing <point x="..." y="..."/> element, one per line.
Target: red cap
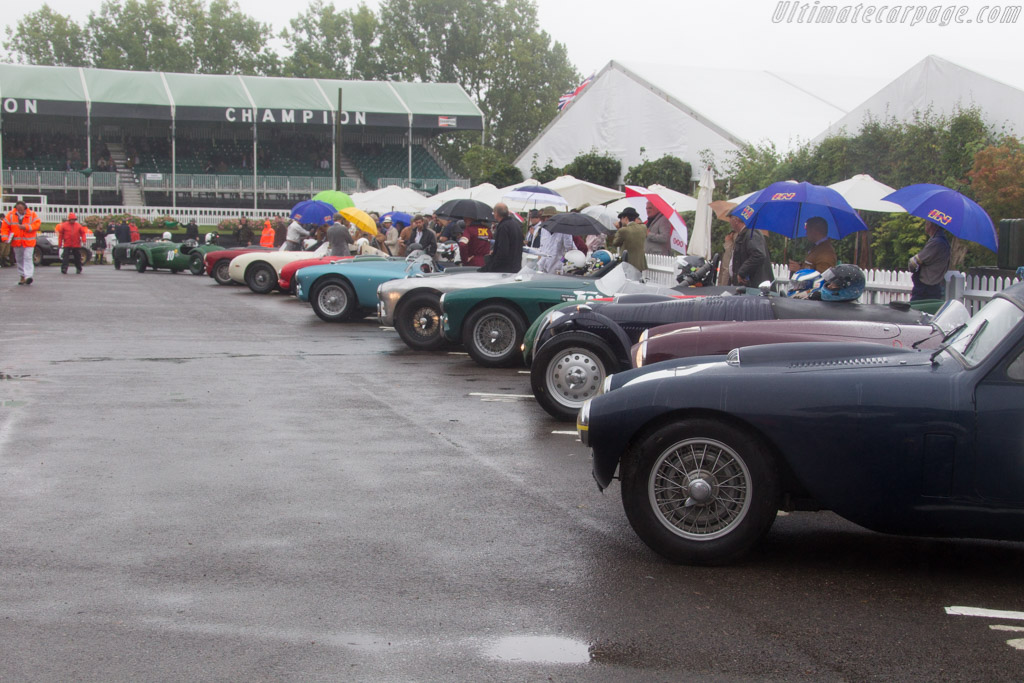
<point x="72" y="216"/>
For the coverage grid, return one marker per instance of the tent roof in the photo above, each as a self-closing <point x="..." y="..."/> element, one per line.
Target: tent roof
<point x="209" y="97"/>
<point x="943" y="87"/>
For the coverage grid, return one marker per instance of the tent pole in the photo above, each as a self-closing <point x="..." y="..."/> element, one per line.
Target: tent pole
<point x="174" y="165"/>
<point x="255" y="188"/>
<point x="410" y="151"/>
<point x="337" y="144"/>
<point x="88" y="151"/>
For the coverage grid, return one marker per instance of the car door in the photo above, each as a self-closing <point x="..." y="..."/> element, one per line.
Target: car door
<point x="999" y="446"/>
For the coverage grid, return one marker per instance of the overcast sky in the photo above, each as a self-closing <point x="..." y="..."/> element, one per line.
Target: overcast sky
<point x="746" y="34"/>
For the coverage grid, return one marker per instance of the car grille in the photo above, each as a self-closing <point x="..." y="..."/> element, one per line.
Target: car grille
<point x="867" y="360"/>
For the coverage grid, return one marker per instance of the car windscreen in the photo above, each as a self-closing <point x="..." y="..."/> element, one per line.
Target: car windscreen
<point x="615" y="280"/>
<point x="952" y="315"/>
<point x="985" y="331"/>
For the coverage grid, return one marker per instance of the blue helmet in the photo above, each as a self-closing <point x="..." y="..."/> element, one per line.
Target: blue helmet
<point x="844" y="282"/>
<point x="602" y="255"/>
<point x="803" y="280"/>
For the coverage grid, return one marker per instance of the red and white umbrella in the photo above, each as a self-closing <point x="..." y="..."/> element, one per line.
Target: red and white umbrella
<point x="679" y="233"/>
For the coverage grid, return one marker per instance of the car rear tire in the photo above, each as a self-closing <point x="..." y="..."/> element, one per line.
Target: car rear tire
<point x="141" y="261"/>
<point x="261" y="277"/>
<point x="333" y="301"/>
<point x="117" y="263"/>
<point x="700" y="491"/>
<point x="492" y="335"/>
<point x="222" y="272"/>
<point x="569" y="369"/>
<point x="196" y="266"/>
<point x="418" y="322"/>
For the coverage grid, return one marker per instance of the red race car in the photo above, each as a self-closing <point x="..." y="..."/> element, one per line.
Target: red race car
<point x="285" y="281"/>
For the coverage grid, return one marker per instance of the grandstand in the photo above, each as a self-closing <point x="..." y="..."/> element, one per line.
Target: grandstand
<point x="151" y="138"/>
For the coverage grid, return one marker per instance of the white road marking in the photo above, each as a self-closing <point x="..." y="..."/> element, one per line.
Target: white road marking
<point x="486" y="395"/>
<point x="458" y="353"/>
<point x="1006" y="627"/>
<point x="385" y="327"/>
<point x="566" y="432"/>
<point x="523" y="372"/>
<point x="958" y="610"/>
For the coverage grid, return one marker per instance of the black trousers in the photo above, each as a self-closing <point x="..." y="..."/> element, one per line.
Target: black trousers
<point x="69" y="253"/>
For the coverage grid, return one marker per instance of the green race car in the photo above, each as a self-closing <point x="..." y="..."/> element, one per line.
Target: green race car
<point x="188" y="255"/>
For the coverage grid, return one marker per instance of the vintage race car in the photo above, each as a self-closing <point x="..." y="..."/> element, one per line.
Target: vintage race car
<point x="173" y="256"/>
<point x="286" y="276"/>
<point x="47" y="252"/>
<point x="900" y="441"/>
<point x="259" y="270"/>
<point x="346" y="289"/>
<point x="577" y="347"/>
<point x="217" y="263"/>
<point x="413" y="305"/>
<point x="491" y="321"/>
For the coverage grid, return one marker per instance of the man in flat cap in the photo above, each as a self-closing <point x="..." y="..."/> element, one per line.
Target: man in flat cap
<point x="631" y="238"/>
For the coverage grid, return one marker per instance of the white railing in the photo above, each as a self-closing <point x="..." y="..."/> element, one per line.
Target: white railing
<point x="233" y="184"/>
<point x="442" y="184"/>
<point x="882" y="286"/>
<point x="58" y="180"/>
<point x="54" y="213"/>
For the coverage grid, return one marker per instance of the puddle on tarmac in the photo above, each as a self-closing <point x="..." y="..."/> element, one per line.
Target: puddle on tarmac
<point x="5" y="376"/>
<point x="539" y="650"/>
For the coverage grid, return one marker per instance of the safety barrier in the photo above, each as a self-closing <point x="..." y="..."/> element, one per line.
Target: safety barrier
<point x="58" y="180"/>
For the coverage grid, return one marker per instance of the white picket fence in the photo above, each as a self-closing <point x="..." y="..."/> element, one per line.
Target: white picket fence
<point x="882" y="286"/>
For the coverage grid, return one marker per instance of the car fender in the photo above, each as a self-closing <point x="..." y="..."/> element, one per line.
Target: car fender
<point x="585" y="320"/>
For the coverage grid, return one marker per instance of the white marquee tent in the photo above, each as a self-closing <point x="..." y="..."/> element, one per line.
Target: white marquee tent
<point x="940" y="86"/>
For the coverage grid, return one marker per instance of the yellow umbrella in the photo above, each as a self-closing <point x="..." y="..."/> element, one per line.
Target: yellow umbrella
<point x="360" y="219"/>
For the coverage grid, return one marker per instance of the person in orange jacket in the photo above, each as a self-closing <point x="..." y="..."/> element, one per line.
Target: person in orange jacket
<point x="20" y="227"/>
<point x="267" y="236"/>
<point x="134" y="232"/>
<point x="71" y="238"/>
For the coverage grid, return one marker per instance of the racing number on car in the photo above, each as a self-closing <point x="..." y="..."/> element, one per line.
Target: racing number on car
<point x="170" y="254"/>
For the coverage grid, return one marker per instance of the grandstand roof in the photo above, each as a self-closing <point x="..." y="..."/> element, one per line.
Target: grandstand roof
<point x="73" y="91"/>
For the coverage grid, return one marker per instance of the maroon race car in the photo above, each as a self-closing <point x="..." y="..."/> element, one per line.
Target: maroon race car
<point x="286" y="277"/>
<point x="686" y="340"/>
<point x="217" y="262"/>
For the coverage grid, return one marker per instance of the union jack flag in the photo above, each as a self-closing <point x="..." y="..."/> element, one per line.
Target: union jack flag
<point x="571" y="95"/>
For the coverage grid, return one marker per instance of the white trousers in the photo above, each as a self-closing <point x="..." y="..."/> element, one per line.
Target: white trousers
<point x="23" y="256"/>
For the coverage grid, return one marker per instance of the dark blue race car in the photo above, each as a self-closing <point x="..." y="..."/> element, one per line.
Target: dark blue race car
<point x="896" y="440"/>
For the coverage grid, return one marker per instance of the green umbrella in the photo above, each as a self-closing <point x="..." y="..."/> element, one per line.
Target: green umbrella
<point x="339" y="200"/>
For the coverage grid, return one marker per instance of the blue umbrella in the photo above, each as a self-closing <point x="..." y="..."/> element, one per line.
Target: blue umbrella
<point x="950" y="210"/>
<point x="397" y="217"/>
<point x="785" y="207"/>
<point x="312" y="211"/>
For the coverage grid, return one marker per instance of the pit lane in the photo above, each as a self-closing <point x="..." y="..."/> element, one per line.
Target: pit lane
<point x="197" y="482"/>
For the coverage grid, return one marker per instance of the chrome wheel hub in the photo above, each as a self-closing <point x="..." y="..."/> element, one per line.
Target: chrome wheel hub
<point x="574" y="376"/>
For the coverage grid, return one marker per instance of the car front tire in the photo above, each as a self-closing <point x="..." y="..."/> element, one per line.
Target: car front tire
<point x="222" y="272"/>
<point x="700" y="491"/>
<point x="261" y="277"/>
<point x="141" y="261"/>
<point x="569" y="369"/>
<point x="418" y="322"/>
<point x="333" y="301"/>
<point x="493" y="334"/>
<point x="196" y="266"/>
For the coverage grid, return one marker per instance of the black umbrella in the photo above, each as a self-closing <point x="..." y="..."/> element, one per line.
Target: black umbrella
<point x="573" y="224"/>
<point x="473" y="209"/>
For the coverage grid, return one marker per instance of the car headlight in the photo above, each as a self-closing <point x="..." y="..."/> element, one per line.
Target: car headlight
<point x="641" y="353"/>
<point x="583" y="423"/>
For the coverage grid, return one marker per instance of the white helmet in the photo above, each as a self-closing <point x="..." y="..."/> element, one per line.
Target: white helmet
<point x="166" y="236"/>
<point x="575" y="258"/>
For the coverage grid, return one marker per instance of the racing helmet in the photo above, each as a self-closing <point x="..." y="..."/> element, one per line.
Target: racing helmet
<point x="690" y="263"/>
<point x="413" y="251"/>
<point x="844" y="282"/>
<point x="803" y="280"/>
<point x="165" y="236"/>
<point x="602" y="255"/>
<point x="575" y="258"/>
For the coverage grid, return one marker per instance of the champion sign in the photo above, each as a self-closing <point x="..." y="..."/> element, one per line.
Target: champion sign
<point x="939" y="217"/>
<point x="783" y="196"/>
<point x="238" y="115"/>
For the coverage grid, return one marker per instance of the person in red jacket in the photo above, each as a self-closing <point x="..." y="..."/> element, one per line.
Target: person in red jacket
<point x="71" y="238"/>
<point x="475" y="243"/>
<point x="20" y="227"/>
<point x="134" y="232"/>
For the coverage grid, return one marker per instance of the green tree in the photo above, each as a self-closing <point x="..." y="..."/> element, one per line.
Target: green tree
<point x="505" y="176"/>
<point x="320" y="42"/>
<point x="221" y="39"/>
<point x="546" y="174"/>
<point x="670" y="171"/>
<point x="479" y="162"/>
<point x="594" y="167"/>
<point x="47" y="38"/>
<point x="997" y="179"/>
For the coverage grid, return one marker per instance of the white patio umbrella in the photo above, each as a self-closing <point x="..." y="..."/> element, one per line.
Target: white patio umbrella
<point x="677" y="200"/>
<point x="527" y="197"/>
<point x="638" y="203"/>
<point x="603" y="215"/>
<point x="579" y="192"/>
<point x="865" y="194"/>
<point x="700" y="237"/>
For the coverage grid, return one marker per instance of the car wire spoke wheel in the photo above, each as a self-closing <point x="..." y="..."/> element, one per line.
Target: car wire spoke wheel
<point x="574" y="376"/>
<point x="332" y="299"/>
<point x="426" y="322"/>
<point x="699" y="489"/>
<point x="495" y="335"/>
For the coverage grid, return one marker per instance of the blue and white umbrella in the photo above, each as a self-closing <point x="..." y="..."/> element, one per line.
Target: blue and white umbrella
<point x="948" y="209"/>
<point x="534" y="197"/>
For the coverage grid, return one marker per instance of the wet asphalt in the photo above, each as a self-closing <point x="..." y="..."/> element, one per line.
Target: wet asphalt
<point x="201" y="483"/>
